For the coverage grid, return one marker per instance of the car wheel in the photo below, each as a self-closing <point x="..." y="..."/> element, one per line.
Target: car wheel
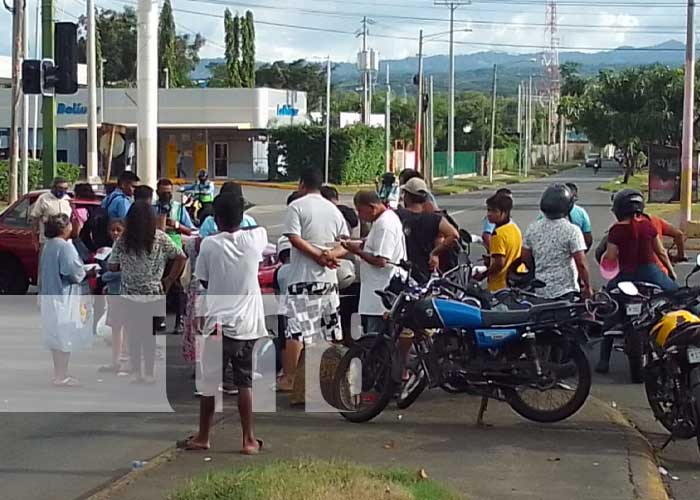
<point x="13" y="279"/>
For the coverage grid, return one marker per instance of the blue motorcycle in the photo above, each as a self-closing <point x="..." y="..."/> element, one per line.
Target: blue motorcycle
<point x="530" y="358"/>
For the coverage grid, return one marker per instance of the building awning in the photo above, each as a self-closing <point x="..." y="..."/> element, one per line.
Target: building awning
<point x="239" y="126"/>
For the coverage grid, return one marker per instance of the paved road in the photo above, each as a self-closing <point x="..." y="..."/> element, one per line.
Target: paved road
<point x="65" y="455"/>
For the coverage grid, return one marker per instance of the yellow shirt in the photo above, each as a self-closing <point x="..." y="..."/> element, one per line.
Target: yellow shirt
<point x="507" y="241"/>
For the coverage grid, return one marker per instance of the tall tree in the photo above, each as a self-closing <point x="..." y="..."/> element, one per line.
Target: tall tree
<point x="187" y="55"/>
<point x="167" y="48"/>
<point x="231" y="28"/>
<point x="298" y="75"/>
<point x="248" y="51"/>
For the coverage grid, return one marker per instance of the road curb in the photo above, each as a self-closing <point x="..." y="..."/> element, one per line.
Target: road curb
<point x="642" y="462"/>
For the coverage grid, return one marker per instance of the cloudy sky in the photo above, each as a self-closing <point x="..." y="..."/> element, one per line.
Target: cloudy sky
<point x="288" y="29"/>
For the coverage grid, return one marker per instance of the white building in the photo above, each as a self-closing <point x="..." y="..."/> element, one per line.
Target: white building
<point x="223" y="131"/>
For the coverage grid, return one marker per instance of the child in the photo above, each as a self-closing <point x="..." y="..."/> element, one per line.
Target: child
<point x="115" y="313"/>
<point x="281" y="283"/>
<point x="506" y="241"/>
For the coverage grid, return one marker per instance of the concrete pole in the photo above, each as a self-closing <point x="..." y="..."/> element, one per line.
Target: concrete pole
<point x="36" y="97"/>
<point x="92" y="94"/>
<point x="387" y="123"/>
<point x="528" y="143"/>
<point x="48" y="105"/>
<point x="24" y="171"/>
<point x="451" y="103"/>
<point x="17" y="55"/>
<point x="493" y="124"/>
<point x="688" y="113"/>
<point x="328" y="118"/>
<point x="147" y="92"/>
<point x="419" y="111"/>
<point x="431" y="135"/>
<point x="166" y="79"/>
<point x="365" y="74"/>
<point x="520" y="129"/>
<point x="102" y="90"/>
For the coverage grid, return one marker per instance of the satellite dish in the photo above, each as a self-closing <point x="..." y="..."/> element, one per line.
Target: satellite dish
<point x="117" y="147"/>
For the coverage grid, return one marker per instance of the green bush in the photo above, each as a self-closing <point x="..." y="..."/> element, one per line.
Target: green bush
<point x="67" y="170"/>
<point x="506" y="159"/>
<point x="357" y="152"/>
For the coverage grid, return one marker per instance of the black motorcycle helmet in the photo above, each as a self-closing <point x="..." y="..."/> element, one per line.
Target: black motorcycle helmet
<point x="557" y="201"/>
<point x="518" y="275"/>
<point x="202" y="175"/>
<point x="627" y="203"/>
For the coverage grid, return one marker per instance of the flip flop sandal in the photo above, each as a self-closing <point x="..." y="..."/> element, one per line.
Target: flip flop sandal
<point x="188" y="445"/>
<point x="261" y="443"/>
<point x="67" y="382"/>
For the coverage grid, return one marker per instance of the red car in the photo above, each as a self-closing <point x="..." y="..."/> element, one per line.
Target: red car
<point x="19" y="259"/>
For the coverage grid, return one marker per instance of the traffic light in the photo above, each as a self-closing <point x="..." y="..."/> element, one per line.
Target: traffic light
<point x="66" y="58"/>
<point x="59" y="75"/>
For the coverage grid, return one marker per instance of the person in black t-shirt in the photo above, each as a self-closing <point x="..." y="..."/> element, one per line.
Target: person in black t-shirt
<point x="429" y="236"/>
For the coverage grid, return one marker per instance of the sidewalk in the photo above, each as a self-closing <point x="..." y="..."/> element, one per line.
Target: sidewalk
<point x="595" y="455"/>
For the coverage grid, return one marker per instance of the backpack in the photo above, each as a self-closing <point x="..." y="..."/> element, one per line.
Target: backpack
<point x="95" y="231"/>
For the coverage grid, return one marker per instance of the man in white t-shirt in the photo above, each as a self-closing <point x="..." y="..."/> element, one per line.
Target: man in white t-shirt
<point x="385" y="244"/>
<point x="55" y="202"/>
<point x="312" y="225"/>
<point x="227" y="266"/>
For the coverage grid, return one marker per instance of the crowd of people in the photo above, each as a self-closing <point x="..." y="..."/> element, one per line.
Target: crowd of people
<point x="332" y="257"/>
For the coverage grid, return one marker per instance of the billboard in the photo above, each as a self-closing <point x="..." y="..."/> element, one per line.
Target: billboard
<point x="665" y="175"/>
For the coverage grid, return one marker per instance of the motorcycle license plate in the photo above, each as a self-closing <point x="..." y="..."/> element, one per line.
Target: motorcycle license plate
<point x="634" y="309"/>
<point x="694" y="355"/>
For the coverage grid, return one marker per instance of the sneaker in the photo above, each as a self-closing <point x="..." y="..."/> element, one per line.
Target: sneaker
<point x="228" y="389"/>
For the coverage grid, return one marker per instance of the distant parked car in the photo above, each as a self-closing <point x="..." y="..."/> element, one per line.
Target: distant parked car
<point x="593" y="160"/>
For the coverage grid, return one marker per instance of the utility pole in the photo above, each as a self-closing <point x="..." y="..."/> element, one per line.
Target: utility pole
<point x="453" y="5"/>
<point x="528" y="141"/>
<point x="92" y="93"/>
<point x="419" y="111"/>
<point x="17" y="55"/>
<point x="36" y="97"/>
<point x="688" y="113"/>
<point x="365" y="74"/>
<point x="328" y="117"/>
<point x="24" y="171"/>
<point x="431" y="136"/>
<point x="48" y="106"/>
<point x="102" y="90"/>
<point x="166" y="79"/>
<point x="520" y="129"/>
<point x="493" y="124"/>
<point x="147" y="92"/>
<point x="387" y="122"/>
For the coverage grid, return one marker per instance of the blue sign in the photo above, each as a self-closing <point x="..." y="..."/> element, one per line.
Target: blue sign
<point x="287" y="110"/>
<point x="75" y="109"/>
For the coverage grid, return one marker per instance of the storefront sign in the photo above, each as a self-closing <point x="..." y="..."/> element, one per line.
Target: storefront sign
<point x="287" y="110"/>
<point x="71" y="109"/>
<point x="665" y="175"/>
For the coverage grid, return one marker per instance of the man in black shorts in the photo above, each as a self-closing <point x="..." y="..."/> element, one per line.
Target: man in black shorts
<point x="234" y="316"/>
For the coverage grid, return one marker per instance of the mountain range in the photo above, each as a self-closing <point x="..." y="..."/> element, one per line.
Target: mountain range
<point x="475" y="71"/>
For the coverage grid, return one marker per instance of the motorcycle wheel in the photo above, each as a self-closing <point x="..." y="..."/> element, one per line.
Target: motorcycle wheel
<point x="634" y="350"/>
<point x="560" y="355"/>
<point x="369" y="360"/>
<point x="695" y="393"/>
<point x="656" y="386"/>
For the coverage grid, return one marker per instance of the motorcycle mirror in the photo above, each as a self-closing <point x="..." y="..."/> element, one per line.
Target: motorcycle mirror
<point x="628" y="288"/>
<point x="465" y="236"/>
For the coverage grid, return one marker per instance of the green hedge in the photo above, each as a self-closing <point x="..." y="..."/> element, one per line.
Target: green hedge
<point x="506" y="159"/>
<point x="357" y="152"/>
<point x="68" y="170"/>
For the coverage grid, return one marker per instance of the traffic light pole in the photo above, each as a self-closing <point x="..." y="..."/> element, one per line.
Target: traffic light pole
<point x="48" y="108"/>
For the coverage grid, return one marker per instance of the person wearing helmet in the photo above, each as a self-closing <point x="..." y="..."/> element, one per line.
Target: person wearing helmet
<point x="635" y="244"/>
<point x="579" y="217"/>
<point x="202" y="190"/>
<point x="556" y="248"/>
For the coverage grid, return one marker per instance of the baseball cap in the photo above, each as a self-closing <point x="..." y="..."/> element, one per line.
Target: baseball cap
<point x="415" y="186"/>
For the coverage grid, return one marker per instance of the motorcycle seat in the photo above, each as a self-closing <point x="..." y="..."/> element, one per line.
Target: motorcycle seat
<point x="516" y="317"/>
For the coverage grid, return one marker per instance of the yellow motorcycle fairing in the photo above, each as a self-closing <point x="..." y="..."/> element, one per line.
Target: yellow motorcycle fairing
<point x="663" y="329"/>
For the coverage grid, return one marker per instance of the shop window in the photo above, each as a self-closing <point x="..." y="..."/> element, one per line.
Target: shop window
<point x="221" y="159"/>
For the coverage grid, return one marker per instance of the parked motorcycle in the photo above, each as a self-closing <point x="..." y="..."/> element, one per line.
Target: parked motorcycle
<point x="530" y="358"/>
